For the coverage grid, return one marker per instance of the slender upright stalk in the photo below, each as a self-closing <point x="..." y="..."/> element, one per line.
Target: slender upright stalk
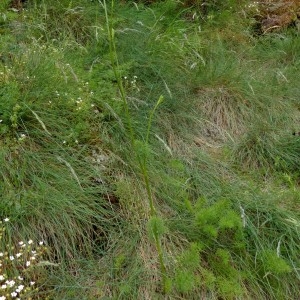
<point x="142" y="161"/>
<point x="116" y="68"/>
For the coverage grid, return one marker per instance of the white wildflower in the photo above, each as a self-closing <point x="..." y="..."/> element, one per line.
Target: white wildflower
<point x="13" y="294"/>
<point x="6" y="219"/>
<point x="20" y="288"/>
<point x="27" y="263"/>
<point x="10" y="283"/>
<point x="11" y="257"/>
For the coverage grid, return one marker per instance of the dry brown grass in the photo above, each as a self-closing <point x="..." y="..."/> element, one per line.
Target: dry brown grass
<point x="148" y="256"/>
<point x="224" y="111"/>
<point x="278" y="14"/>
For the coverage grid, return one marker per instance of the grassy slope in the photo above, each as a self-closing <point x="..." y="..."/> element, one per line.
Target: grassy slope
<point x="222" y="161"/>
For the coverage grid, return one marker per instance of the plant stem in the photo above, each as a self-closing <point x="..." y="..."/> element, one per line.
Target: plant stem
<point x="142" y="162"/>
<point x="116" y="69"/>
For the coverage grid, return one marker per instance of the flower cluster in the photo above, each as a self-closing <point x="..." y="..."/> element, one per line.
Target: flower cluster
<point x="131" y="84"/>
<point x="5" y="75"/>
<point x="15" y="262"/>
<point x="83" y="102"/>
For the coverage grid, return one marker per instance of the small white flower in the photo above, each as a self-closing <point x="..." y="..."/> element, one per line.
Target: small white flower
<point x="32" y="258"/>
<point x="11" y="283"/>
<point x="11" y="257"/>
<point x="14" y="294"/>
<point x="32" y="282"/>
<point x="2" y="277"/>
<point x="3" y="286"/>
<point x="30" y="242"/>
<point x="27" y="263"/>
<point x="21" y="243"/>
<point x="1" y="254"/>
<point x="20" y="288"/>
<point x="33" y="252"/>
<point x="18" y="255"/>
<point x="20" y="278"/>
<point x="2" y="298"/>
<point x="41" y="243"/>
<point x="6" y="219"/>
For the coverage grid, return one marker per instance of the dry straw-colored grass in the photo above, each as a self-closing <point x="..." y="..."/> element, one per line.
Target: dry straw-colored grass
<point x="278" y="14"/>
<point x="148" y="256"/>
<point x="224" y="111"/>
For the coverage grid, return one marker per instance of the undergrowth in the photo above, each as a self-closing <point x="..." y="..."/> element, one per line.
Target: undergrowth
<point x="193" y="197"/>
